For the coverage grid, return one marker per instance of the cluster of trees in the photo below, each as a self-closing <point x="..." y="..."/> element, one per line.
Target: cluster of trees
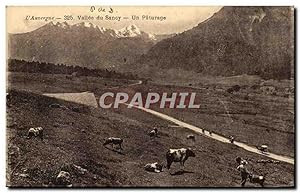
<point x="15" y="65"/>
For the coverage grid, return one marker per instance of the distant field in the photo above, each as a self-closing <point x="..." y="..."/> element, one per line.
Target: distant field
<point x="54" y="83"/>
<point x="76" y="137"/>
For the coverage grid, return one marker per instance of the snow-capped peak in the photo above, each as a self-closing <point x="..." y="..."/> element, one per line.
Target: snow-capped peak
<point x="133" y="28"/>
<point x="129" y="31"/>
<point x="133" y="31"/>
<point x="152" y="37"/>
<point x="62" y="25"/>
<point x="58" y="24"/>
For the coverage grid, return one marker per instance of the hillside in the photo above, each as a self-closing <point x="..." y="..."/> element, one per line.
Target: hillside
<point x="76" y="137"/>
<point x="234" y="41"/>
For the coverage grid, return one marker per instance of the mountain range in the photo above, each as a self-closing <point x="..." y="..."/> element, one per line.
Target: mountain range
<point x="234" y="41"/>
<point x="84" y="44"/>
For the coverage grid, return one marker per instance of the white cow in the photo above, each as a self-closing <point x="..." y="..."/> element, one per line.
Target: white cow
<point x="64" y="178"/>
<point x="35" y="132"/>
<point x="154" y="167"/>
<point x="178" y="155"/>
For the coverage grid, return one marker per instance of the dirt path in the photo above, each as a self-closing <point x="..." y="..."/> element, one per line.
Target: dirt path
<point x="133" y="84"/>
<point x="216" y="136"/>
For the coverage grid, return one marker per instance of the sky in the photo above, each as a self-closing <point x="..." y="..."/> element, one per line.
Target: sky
<point x="178" y="19"/>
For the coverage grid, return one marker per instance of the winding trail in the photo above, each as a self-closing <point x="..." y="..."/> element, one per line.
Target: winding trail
<point x="215" y="136"/>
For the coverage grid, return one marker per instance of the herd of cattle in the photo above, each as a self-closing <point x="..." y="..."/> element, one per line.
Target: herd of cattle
<point x="172" y="155"/>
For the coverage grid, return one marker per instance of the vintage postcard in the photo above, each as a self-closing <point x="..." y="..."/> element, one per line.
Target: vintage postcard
<point x="112" y="96"/>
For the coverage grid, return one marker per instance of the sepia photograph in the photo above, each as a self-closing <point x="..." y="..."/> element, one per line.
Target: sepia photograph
<point x="150" y="97"/>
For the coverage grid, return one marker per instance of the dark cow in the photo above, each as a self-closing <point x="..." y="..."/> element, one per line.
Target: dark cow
<point x="153" y="133"/>
<point x="114" y="141"/>
<point x="231" y="139"/>
<point x="35" y="132"/>
<point x="257" y="179"/>
<point x="191" y="137"/>
<point x="178" y="155"/>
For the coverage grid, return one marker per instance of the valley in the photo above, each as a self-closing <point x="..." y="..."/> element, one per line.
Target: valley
<point x="114" y="169"/>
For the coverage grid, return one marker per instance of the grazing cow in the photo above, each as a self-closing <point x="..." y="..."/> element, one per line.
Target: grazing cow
<point x="154" y="167"/>
<point x="210" y="133"/>
<point x="35" y="132"/>
<point x="257" y="179"/>
<point x="178" y="155"/>
<point x="114" y="141"/>
<point x="153" y="133"/>
<point x="192" y="137"/>
<point x="63" y="178"/>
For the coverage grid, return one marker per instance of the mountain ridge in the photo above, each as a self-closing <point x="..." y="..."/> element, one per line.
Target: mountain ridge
<point x="131" y="30"/>
<point x="234" y="41"/>
<point x="84" y="44"/>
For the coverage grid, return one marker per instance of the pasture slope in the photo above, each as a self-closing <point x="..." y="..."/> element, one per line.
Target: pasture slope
<point x="212" y="135"/>
<point x="76" y="137"/>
